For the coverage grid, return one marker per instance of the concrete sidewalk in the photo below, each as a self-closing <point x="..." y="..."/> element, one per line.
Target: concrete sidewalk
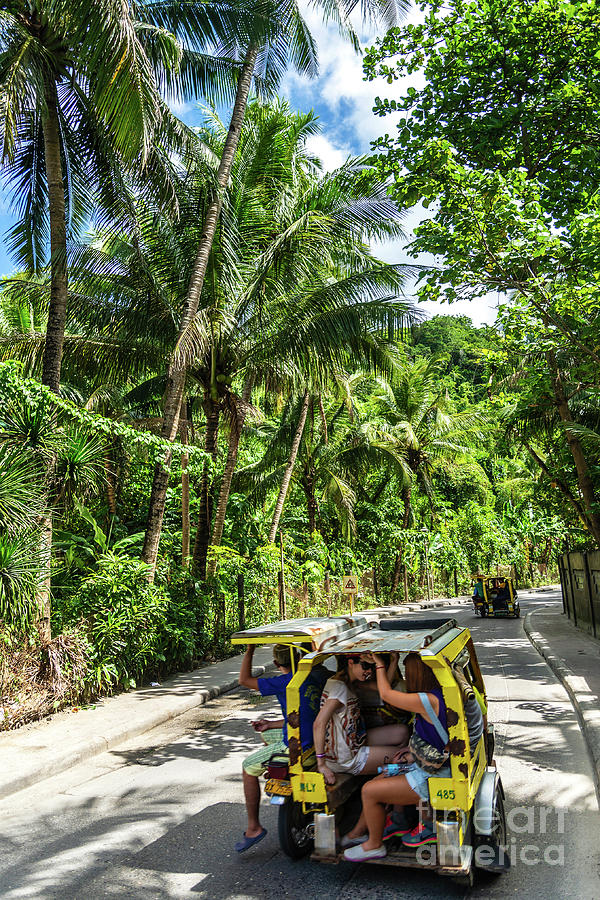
<point x="50" y="746"/>
<point x="574" y="657"/>
<point x="42" y="749"/>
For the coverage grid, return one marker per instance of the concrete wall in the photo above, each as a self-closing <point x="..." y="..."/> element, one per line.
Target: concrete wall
<point x="580" y="579"/>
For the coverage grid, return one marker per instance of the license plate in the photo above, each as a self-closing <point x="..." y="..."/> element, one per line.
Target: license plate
<point x="281" y="788"/>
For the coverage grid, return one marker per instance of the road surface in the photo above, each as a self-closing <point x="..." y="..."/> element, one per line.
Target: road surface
<point x="157" y="818"/>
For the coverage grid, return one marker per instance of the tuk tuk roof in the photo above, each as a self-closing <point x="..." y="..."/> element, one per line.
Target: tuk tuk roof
<point x="492" y="578"/>
<point x="304" y="629"/>
<point x="379" y="641"/>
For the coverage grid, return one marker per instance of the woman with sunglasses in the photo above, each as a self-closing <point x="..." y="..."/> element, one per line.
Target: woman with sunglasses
<point x="342" y="743"/>
<point x="423" y="696"/>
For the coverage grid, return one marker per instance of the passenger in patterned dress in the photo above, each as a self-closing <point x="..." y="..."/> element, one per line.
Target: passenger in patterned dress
<point x="342" y="743"/>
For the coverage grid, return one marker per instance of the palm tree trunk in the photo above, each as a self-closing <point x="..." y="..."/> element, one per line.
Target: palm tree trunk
<point x="43" y="594"/>
<point x="406" y="495"/>
<point x="177" y="368"/>
<point x="185" y="496"/>
<point x="156" y="505"/>
<point x="323" y="420"/>
<point x="396" y="574"/>
<point x="57" y="312"/>
<point x="111" y="485"/>
<point x="400" y="565"/>
<point x="232" y="453"/>
<point x="586" y="485"/>
<point x="285" y="483"/>
<point x="308" y="483"/>
<point x="57" y="315"/>
<point x="111" y="493"/>
<point x="212" y="411"/>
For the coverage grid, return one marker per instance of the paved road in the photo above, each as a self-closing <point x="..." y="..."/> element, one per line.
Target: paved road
<point x="157" y="818"/>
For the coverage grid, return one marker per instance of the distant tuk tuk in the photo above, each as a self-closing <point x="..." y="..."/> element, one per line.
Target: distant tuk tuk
<point x="468" y="806"/>
<point x="495" y="595"/>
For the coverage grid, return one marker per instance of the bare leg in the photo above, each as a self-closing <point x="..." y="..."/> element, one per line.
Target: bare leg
<point x="387" y="735"/>
<point x="379" y="756"/>
<point x="360" y="828"/>
<point x="376" y="794"/>
<point x="252" y="798"/>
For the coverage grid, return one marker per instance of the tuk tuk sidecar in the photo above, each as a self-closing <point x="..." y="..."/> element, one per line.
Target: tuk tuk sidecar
<point x="315" y="632"/>
<point x="496" y="596"/>
<point x="468" y="806"/>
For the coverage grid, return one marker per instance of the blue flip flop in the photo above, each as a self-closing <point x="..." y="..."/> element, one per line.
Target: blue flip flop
<point x="250" y="841"/>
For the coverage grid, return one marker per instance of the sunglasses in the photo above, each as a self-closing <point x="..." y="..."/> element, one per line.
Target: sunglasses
<point x="366" y="665"/>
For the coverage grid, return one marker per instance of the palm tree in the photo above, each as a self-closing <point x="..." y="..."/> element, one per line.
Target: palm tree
<point x="285" y="39"/>
<point x="330" y="457"/>
<point x="418" y="417"/>
<point x="320" y="292"/>
<point x="79" y="100"/>
<point x="80" y="95"/>
<point x="65" y="73"/>
<point x="289" y="467"/>
<point x="294" y="229"/>
<point x="295" y="290"/>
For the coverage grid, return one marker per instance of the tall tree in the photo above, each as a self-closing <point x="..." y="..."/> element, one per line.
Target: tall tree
<point x="80" y="99"/>
<point x="326" y="449"/>
<point x="420" y="422"/>
<point x="71" y="77"/>
<point x="284" y="39"/>
<point x="294" y="291"/>
<point x="508" y="150"/>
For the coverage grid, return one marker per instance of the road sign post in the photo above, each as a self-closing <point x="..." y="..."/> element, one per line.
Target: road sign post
<point x="350" y="587"/>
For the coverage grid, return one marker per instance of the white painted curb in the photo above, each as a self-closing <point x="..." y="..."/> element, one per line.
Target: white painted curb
<point x="586" y="703"/>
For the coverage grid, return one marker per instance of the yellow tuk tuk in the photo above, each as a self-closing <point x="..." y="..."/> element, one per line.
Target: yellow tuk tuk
<point x="468" y="806"/>
<point x="495" y="595"/>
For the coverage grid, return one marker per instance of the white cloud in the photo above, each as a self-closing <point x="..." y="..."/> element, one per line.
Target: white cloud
<point x="481" y="311"/>
<point x="331" y="155"/>
<point x="181" y="108"/>
<point x="344" y="102"/>
<point x="340" y="94"/>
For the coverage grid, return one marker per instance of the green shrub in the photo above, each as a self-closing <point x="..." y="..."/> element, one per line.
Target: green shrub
<point x="126" y="616"/>
<point x="181" y="635"/>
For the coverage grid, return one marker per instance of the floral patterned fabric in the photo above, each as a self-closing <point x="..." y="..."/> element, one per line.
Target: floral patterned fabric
<point x="346" y="732"/>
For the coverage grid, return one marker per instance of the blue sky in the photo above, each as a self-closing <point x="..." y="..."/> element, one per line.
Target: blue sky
<point x="343" y="102"/>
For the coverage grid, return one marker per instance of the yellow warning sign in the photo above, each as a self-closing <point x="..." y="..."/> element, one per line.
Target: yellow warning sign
<point x="350" y="584"/>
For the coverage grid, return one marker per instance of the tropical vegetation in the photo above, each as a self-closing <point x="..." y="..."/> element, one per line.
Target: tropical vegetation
<point x="215" y="398"/>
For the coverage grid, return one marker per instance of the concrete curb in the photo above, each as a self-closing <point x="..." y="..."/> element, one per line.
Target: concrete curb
<point x="36" y="760"/>
<point x="585" y="703"/>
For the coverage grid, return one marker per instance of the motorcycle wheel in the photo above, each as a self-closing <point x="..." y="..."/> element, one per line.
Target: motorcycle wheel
<point x="294" y="839"/>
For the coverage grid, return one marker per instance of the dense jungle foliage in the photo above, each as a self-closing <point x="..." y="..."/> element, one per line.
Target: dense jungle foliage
<point x="215" y="399"/>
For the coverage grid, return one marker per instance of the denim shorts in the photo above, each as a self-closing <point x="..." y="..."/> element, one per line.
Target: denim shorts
<point x="418" y="779"/>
